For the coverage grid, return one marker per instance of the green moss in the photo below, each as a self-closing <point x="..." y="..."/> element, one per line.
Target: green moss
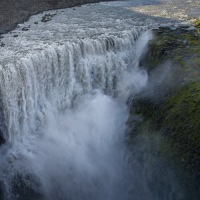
<point x="160" y="48"/>
<point x="197" y="25"/>
<point x="180" y="45"/>
<point x="182" y="124"/>
<point x="176" y="121"/>
<point x="177" y="116"/>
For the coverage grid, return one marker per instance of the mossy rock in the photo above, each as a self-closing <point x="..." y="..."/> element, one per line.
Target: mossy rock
<point x="176" y="117"/>
<point x="197" y="25"/>
<point x="176" y="122"/>
<point x="181" y="120"/>
<point x="181" y="45"/>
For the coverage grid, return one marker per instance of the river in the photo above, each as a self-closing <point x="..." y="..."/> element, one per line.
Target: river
<point x="65" y="79"/>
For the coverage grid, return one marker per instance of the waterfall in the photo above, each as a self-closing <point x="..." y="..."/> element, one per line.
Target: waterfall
<point x="58" y="117"/>
<point x="53" y="77"/>
<point x="63" y="91"/>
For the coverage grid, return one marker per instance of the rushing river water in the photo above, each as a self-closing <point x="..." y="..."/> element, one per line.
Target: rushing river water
<point x="65" y="78"/>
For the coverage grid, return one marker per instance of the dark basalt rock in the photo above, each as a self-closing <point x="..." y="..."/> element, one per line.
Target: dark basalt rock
<point x="2" y="140"/>
<point x="2" y="191"/>
<point x="26" y="187"/>
<point x="47" y="17"/>
<point x="2" y="44"/>
<point x="53" y="2"/>
<point x="25" y="28"/>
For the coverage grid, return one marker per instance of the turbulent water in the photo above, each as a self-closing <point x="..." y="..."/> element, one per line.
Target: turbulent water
<point x="63" y="87"/>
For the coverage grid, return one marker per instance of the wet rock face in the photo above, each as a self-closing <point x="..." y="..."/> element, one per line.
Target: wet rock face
<point x="2" y="191"/>
<point x="2" y="140"/>
<point x="25" y="187"/>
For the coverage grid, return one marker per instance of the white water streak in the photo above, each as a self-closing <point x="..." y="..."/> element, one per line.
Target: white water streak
<point x="55" y="76"/>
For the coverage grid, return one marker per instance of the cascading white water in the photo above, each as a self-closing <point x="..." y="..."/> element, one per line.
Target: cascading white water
<point x="55" y="76"/>
<point x="64" y="134"/>
<point x="75" y="153"/>
<point x="53" y="68"/>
